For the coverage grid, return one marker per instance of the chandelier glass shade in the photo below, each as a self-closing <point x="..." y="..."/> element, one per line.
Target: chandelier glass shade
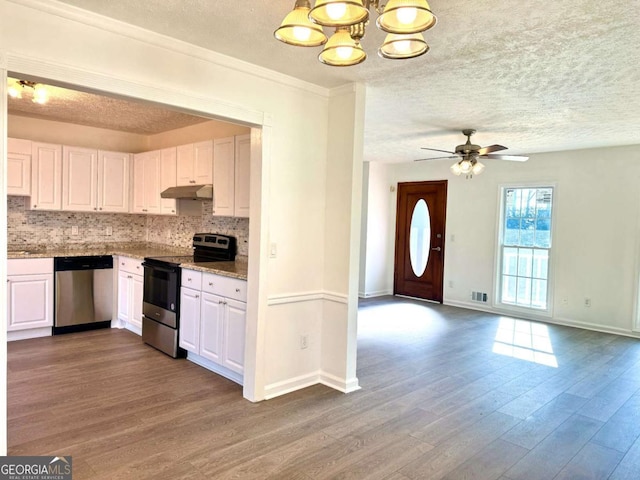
<point x="468" y="166"/>
<point x="297" y="29"/>
<point x="399" y="47"/>
<point x="403" y="20"/>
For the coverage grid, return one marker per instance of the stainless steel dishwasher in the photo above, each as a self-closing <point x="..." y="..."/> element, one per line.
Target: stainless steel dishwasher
<point x="83" y="293"/>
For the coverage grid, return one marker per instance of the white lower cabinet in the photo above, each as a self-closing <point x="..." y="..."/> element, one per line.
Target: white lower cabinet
<point x="212" y="324"/>
<point x="130" y="291"/>
<point x="29" y="298"/>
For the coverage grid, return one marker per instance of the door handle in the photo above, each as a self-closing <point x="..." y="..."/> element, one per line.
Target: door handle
<point x="437" y="249"/>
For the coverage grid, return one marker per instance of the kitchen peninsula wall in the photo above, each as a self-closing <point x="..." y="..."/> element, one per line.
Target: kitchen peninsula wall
<point x="54" y="229"/>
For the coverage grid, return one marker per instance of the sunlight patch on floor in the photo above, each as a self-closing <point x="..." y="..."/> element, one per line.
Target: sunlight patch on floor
<point x="397" y="319"/>
<point x="525" y="340"/>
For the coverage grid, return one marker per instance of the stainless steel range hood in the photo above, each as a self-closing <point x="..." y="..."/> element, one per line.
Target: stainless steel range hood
<point x="192" y="192"/>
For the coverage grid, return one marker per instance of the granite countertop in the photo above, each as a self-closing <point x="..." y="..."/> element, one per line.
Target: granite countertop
<point x="237" y="269"/>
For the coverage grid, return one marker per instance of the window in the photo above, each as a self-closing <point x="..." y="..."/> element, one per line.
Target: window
<point x="525" y="246"/>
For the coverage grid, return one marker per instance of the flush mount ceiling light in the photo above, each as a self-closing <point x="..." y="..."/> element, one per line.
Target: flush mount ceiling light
<point x="39" y="94"/>
<point x="403" y="20"/>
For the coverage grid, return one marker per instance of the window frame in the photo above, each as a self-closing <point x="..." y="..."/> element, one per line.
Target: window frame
<point x="497" y="297"/>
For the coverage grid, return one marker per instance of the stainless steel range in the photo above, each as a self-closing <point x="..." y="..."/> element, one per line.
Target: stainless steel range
<point x="161" y="296"/>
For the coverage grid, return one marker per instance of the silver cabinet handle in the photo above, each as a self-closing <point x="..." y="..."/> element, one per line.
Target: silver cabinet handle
<point x="188" y="279"/>
<point x="237" y="290"/>
<point x="437" y="249"/>
<point x="211" y="284"/>
<point x="197" y="296"/>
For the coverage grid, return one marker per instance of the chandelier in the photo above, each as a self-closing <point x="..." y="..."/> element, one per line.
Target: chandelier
<point x="403" y="20"/>
<point x="39" y="93"/>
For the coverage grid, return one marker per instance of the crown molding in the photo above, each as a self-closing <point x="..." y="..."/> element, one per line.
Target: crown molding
<point x="118" y="27"/>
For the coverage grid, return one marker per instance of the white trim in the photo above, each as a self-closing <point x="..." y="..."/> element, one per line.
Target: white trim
<point x="133" y="328"/>
<point x="3" y="248"/>
<point x="345" y="89"/>
<point x="314" y="378"/>
<point x="377" y="293"/>
<point x="29" y="333"/>
<point x="215" y="368"/>
<point x="553" y="320"/>
<point x="178" y="99"/>
<point x="340" y="384"/>
<point x="290" y="385"/>
<point x="307" y="297"/>
<point x="118" y="27"/>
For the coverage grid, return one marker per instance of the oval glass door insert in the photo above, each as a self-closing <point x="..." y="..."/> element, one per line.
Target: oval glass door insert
<point x="420" y="238"/>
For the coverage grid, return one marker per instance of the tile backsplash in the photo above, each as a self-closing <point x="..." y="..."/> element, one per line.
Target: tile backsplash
<point x="54" y="229"/>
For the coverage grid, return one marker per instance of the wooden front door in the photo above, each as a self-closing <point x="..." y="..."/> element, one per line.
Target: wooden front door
<point x="420" y="234"/>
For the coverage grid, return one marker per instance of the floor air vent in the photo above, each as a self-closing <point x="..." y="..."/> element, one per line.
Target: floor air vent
<point x="479" y="297"/>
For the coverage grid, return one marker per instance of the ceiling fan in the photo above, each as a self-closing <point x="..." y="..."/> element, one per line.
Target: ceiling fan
<point x="468" y="155"/>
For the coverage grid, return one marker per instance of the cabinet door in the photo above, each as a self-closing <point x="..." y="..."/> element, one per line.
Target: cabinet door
<point x="168" y="179"/>
<point x="223" y="176"/>
<point x="124" y="300"/>
<point x="113" y="181"/>
<point x="146" y="182"/>
<point x="211" y="327"/>
<point x="136" y="300"/>
<point x="79" y="179"/>
<point x="184" y="169"/>
<point x="18" y="167"/>
<point x="234" y="335"/>
<point x="190" y="319"/>
<point x="46" y="177"/>
<point x="203" y="162"/>
<point x="30" y="301"/>
<point x="242" y="176"/>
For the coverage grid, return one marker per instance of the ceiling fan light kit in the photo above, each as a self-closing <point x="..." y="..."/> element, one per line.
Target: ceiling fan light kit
<point x="469" y="153"/>
<point x="403" y="20"/>
<point x="39" y="93"/>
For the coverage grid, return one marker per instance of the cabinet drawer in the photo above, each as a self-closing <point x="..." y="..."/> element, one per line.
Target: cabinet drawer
<point x="130" y="265"/>
<point x="225" y="286"/>
<point x="29" y="266"/>
<point x="191" y="279"/>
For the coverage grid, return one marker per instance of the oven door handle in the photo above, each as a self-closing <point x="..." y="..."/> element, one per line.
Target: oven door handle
<point x="162" y="269"/>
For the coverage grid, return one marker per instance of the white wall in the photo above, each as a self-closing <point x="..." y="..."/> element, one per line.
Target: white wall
<point x="595" y="243"/>
<point x="195" y="133"/>
<point x="52" y="41"/>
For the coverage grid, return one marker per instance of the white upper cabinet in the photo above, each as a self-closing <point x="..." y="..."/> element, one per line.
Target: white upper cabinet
<point x="195" y="163"/>
<point x="242" y="175"/>
<point x="46" y="176"/>
<point x="113" y="181"/>
<point x="79" y="179"/>
<point x="168" y="178"/>
<point x="231" y="164"/>
<point x="18" y="167"/>
<point x="94" y="180"/>
<point x="223" y="176"/>
<point x="146" y="182"/>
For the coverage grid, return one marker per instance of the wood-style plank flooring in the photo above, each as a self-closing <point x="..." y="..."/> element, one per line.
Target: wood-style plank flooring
<point x="446" y="393"/>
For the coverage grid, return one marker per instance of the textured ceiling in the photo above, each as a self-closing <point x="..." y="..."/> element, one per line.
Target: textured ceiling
<point x="83" y="108"/>
<point x="532" y="76"/>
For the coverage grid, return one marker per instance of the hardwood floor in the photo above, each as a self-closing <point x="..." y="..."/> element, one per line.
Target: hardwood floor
<point x="436" y="402"/>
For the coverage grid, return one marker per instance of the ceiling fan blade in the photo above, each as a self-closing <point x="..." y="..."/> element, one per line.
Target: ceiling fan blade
<point x="437" y="150"/>
<point x="436" y="158"/>
<point x="491" y="148"/>
<point x="513" y="158"/>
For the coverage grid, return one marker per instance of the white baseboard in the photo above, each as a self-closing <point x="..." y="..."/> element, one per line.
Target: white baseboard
<point x="539" y="318"/>
<point x="133" y="328"/>
<point x="378" y="293"/>
<point x="30" y="333"/>
<point x="215" y="368"/>
<point x="314" y="378"/>
<point x="340" y="384"/>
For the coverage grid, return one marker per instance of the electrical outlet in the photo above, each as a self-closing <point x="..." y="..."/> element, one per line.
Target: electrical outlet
<point x="304" y="342"/>
<point x="565" y="300"/>
<point x="109" y="231"/>
<point x="450" y="283"/>
<point x="74" y="230"/>
<point x="273" y="250"/>
<point x="587" y="302"/>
